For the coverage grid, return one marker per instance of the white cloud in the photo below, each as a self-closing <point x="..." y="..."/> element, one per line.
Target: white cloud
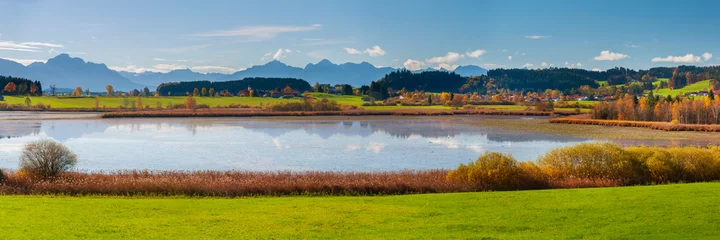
<point x="280" y="53"/>
<point x="352" y="51"/>
<point x="209" y="69"/>
<point x="447" y="66"/>
<point x="510" y="58"/>
<point x="476" y="53"/>
<point x="413" y="65"/>
<point x="596" y="70"/>
<point x="631" y="45"/>
<point x="375" y="51"/>
<point x="528" y="65"/>
<point x="18" y="49"/>
<point x="42" y="44"/>
<point x="24" y="61"/>
<point x="537" y="37"/>
<point x="610" y="56"/>
<point x="11" y="46"/>
<point x="688" y="58"/>
<point x="706" y="56"/>
<point x="544" y="64"/>
<point x="450" y="57"/>
<point x="163" y="68"/>
<point x="159" y="59"/>
<point x="258" y="32"/>
<point x="579" y="65"/>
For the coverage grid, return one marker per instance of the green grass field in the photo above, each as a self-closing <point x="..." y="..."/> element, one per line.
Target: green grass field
<point x="114" y="102"/>
<point x="679" y="211"/>
<point x="695" y="87"/>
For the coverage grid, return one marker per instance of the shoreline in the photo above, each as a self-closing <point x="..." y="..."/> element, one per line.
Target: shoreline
<point x="245" y="113"/>
<point x="664" y="126"/>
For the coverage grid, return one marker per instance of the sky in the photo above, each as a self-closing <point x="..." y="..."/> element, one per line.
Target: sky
<point x="227" y="36"/>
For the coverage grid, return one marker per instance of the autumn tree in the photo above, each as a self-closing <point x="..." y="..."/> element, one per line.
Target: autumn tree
<point x="196" y="92"/>
<point x="33" y="89"/>
<point x="204" y="92"/>
<point x="77" y="92"/>
<point x="212" y="92"/>
<point x="110" y="90"/>
<point x="97" y="102"/>
<point x="10" y="88"/>
<point x="190" y="103"/>
<point x="139" y="103"/>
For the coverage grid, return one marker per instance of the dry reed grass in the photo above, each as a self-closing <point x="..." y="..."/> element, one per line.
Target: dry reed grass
<point x="665" y="126"/>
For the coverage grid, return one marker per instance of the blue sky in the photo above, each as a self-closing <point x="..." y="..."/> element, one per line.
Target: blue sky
<point x="225" y="36"/>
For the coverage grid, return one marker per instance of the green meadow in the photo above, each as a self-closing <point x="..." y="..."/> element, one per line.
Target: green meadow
<point x="677" y="211"/>
<point x="114" y="102"/>
<point x="695" y="87"/>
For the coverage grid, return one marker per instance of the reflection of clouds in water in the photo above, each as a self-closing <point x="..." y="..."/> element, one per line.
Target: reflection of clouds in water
<point x="476" y="147"/>
<point x="447" y="142"/>
<point x="352" y="147"/>
<point x="375" y="147"/>
<point x="279" y="145"/>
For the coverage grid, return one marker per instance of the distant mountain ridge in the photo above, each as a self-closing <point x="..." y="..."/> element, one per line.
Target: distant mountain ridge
<point x="64" y="71"/>
<point x="324" y="71"/>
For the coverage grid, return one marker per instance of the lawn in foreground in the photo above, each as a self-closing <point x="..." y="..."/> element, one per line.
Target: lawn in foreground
<point x="687" y="211"/>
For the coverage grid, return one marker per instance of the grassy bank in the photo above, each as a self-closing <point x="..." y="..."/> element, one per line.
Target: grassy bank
<point x="683" y="211"/>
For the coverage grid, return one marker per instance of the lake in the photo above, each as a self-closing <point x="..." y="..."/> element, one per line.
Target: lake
<point x="312" y="143"/>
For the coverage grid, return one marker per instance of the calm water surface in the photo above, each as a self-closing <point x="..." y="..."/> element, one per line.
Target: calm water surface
<point x="335" y="143"/>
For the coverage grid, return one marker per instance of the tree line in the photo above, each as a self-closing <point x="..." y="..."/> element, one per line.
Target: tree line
<point x="266" y="84"/>
<point x="698" y="110"/>
<point x="20" y="86"/>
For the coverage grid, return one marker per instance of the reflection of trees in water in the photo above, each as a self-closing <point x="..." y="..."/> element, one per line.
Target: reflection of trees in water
<point x="13" y="129"/>
<point x="400" y="129"/>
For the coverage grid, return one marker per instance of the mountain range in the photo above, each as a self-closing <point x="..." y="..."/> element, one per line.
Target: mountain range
<point x="64" y="71"/>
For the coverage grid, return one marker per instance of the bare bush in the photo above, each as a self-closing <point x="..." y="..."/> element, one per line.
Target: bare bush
<point x="46" y="159"/>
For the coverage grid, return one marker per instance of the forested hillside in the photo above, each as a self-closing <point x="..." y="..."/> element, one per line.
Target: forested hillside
<point x="181" y="88"/>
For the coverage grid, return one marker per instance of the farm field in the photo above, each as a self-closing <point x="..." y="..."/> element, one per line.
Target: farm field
<point x="675" y="211"/>
<point x="695" y="87"/>
<point x="114" y="102"/>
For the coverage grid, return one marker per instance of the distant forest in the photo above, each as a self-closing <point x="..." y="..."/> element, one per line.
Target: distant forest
<point x="563" y="79"/>
<point x="19" y="86"/>
<point x="266" y="84"/>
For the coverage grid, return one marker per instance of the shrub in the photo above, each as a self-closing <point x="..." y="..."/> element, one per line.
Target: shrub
<point x="594" y="161"/>
<point x="46" y="159"/>
<point x="492" y="171"/>
<point x="2" y="177"/>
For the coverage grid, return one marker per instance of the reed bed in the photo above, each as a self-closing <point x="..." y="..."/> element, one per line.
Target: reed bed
<point x="665" y="126"/>
<point x="580" y="166"/>
<point x="233" y="183"/>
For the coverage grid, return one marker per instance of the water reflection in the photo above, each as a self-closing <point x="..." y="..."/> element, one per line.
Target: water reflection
<point x="271" y="144"/>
